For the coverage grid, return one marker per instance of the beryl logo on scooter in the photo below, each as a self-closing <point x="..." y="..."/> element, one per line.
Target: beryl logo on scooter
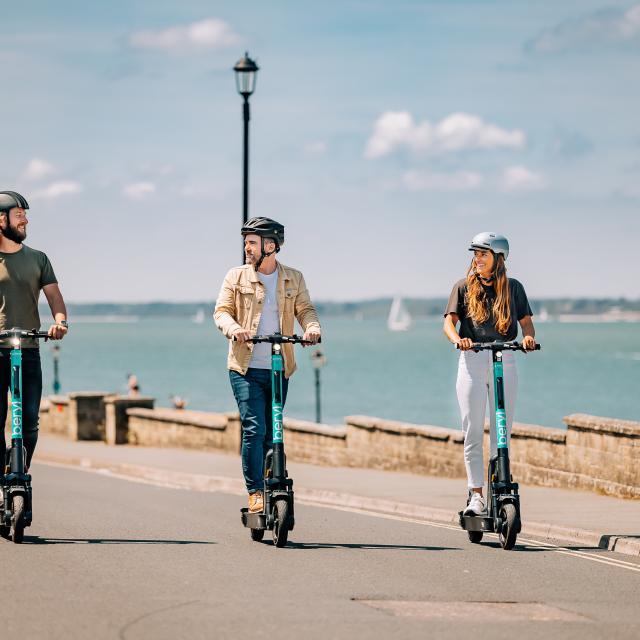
<point x="277" y="424"/>
<point x="16" y="419"/>
<point x="501" y="419"/>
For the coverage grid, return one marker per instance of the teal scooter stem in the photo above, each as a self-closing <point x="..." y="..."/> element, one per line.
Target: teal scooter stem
<point x="278" y="513"/>
<point x="16" y="503"/>
<point x="503" y="514"/>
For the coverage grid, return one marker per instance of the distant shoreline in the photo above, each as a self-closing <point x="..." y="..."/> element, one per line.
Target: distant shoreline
<point x="545" y="310"/>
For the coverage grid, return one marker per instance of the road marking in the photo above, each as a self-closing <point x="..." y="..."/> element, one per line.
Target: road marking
<point x="229" y="488"/>
<point x="585" y="555"/>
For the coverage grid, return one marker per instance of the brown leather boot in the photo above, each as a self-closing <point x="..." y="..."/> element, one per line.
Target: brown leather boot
<point x="256" y="502"/>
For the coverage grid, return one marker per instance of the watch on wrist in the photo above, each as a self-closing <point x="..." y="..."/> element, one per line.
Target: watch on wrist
<point x="64" y="323"/>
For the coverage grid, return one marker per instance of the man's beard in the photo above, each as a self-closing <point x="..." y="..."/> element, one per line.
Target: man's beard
<point x="12" y="233"/>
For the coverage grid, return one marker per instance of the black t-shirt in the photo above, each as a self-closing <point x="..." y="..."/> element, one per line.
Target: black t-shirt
<point x="487" y="332"/>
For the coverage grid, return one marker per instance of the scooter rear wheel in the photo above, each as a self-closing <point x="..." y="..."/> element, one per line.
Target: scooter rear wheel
<point x="257" y="534"/>
<point x="17" y="519"/>
<point x="281" y="523"/>
<point x="509" y="530"/>
<point x="475" y="536"/>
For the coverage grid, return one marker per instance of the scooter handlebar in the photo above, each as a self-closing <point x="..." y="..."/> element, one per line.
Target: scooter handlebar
<point x="24" y="333"/>
<point x="279" y="339"/>
<point x="500" y="346"/>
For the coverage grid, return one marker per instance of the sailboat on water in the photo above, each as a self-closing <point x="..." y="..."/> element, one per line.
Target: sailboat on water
<point x="399" y="316"/>
<point x="199" y="317"/>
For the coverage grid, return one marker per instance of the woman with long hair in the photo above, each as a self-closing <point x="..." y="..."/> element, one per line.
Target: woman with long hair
<point x="488" y="306"/>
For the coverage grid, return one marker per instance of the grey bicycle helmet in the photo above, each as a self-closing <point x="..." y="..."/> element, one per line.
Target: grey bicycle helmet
<point x="491" y="241"/>
<point x="11" y="199"/>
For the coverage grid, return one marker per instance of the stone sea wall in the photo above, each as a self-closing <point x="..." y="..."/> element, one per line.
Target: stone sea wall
<point x="593" y="453"/>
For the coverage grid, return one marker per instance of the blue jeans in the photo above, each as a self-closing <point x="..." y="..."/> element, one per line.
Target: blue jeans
<point x="253" y="395"/>
<point x="31" y="394"/>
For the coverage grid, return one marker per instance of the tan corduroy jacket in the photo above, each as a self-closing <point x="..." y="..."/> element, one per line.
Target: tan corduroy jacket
<point x="239" y="305"/>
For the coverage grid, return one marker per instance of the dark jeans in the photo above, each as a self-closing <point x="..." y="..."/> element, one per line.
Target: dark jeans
<point x="31" y="394"/>
<point x="253" y="395"/>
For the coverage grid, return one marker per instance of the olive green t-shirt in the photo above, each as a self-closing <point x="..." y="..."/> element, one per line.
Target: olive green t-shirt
<point x="22" y="276"/>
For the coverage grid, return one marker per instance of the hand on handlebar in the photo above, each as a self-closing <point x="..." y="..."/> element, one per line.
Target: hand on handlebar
<point x="528" y="343"/>
<point x="241" y="335"/>
<point x="57" y="332"/>
<point x="312" y="336"/>
<point x="464" y="344"/>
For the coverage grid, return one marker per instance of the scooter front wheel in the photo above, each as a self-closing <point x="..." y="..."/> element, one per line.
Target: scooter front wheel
<point x="475" y="536"/>
<point x="281" y="522"/>
<point x="509" y="529"/>
<point x="17" y="519"/>
<point x="257" y="534"/>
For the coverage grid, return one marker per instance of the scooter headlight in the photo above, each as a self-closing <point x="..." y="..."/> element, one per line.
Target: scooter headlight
<point x="15" y="342"/>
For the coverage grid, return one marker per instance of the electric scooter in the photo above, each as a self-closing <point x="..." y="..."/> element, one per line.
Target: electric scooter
<point x="16" y="502"/>
<point x="278" y="514"/>
<point x="503" y="501"/>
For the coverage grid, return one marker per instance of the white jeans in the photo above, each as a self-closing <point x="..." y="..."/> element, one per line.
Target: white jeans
<point x="474" y="385"/>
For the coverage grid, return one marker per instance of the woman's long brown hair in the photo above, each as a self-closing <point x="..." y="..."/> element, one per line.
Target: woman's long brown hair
<point x="476" y="298"/>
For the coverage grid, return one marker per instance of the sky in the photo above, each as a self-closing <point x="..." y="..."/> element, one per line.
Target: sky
<point x="384" y="136"/>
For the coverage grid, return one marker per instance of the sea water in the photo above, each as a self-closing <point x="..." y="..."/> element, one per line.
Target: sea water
<point x="409" y="376"/>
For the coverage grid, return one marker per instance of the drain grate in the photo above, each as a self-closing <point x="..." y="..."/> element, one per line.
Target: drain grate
<point x="475" y="611"/>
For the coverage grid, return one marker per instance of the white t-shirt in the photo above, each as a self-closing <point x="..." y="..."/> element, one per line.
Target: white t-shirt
<point x="269" y="321"/>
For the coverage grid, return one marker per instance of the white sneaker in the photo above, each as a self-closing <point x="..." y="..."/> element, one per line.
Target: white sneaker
<point x="476" y="506"/>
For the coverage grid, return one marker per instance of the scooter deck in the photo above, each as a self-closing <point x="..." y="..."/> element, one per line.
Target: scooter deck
<point x="253" y="520"/>
<point x="476" y="523"/>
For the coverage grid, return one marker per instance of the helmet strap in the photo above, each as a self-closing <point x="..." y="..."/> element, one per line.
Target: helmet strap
<point x="264" y="254"/>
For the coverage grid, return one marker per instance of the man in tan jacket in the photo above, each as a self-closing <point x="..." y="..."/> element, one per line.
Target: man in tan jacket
<point x="260" y="298"/>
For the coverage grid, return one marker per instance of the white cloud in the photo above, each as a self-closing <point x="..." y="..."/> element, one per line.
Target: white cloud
<point x="433" y="181"/>
<point x="139" y="190"/>
<point x="606" y="27"/>
<point x="460" y="131"/>
<point x="519" y="178"/>
<point x="206" y="34"/>
<point x="463" y="131"/>
<point x="59" y="188"/>
<point x="316" y="148"/>
<point x="37" y="169"/>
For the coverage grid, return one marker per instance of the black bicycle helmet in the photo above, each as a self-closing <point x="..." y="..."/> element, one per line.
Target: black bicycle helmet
<point x="11" y="199"/>
<point x="265" y="228"/>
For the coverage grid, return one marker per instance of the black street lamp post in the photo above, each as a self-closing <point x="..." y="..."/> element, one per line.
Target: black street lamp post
<point x="246" y="70"/>
<point x="318" y="361"/>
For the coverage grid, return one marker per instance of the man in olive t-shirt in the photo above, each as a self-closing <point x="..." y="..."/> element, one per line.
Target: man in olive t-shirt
<point x="24" y="272"/>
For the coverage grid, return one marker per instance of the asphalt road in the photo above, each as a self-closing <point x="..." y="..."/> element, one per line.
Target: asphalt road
<point x="110" y="558"/>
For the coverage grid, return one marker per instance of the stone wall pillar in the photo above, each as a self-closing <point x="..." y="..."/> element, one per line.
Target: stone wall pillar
<point x="58" y="416"/>
<point x="116" y="419"/>
<point x="87" y="415"/>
